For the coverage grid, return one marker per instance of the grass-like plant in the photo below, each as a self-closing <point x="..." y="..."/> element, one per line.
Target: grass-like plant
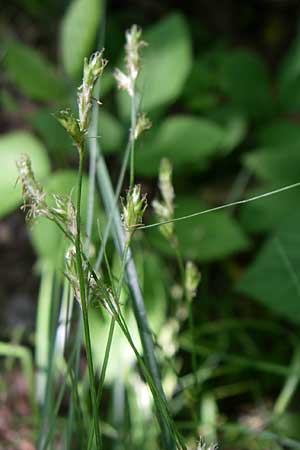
<point x="85" y="277"/>
<point x="91" y="281"/>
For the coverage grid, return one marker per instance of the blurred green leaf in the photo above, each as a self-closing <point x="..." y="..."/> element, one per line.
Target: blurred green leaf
<point x="204" y="238"/>
<point x="279" y="134"/>
<point x="166" y="62"/>
<point x="48" y="240"/>
<point x="111" y="132"/>
<point x="275" y="165"/>
<point x="289" y="68"/>
<point x="274" y="276"/>
<point x="11" y="146"/>
<point x="51" y="132"/>
<point x="289" y="79"/>
<point x="32" y="73"/>
<point x="188" y="142"/>
<point x="267" y="214"/>
<point x="245" y="81"/>
<point x="234" y="125"/>
<point x="78" y="33"/>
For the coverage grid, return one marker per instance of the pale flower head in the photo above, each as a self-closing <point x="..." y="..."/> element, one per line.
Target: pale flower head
<point x="133" y="45"/>
<point x="133" y="209"/>
<point x="143" y="123"/>
<point x="93" y="69"/>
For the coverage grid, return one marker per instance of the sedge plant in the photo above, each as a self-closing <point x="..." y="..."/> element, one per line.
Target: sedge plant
<point x="86" y="279"/>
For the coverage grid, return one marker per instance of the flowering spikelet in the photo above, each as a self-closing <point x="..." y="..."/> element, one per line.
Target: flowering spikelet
<point x="192" y="279"/>
<point x="33" y="195"/>
<point x="70" y="124"/>
<point x="108" y="301"/>
<point x="164" y="209"/>
<point x="77" y="128"/>
<point x="133" y="44"/>
<point x="71" y="272"/>
<point x="202" y="446"/>
<point x="133" y="210"/>
<point x="93" y="69"/>
<point x="35" y="202"/>
<point x="65" y="213"/>
<point x="143" y="123"/>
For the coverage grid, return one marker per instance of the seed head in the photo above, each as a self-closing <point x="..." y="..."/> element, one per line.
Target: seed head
<point x="164" y="209"/>
<point x="71" y="125"/>
<point x="133" y="209"/>
<point x="202" y="446"/>
<point x="165" y="184"/>
<point x="192" y="279"/>
<point x="133" y="44"/>
<point x="93" y="69"/>
<point x="33" y="194"/>
<point x="65" y="212"/>
<point x="143" y="123"/>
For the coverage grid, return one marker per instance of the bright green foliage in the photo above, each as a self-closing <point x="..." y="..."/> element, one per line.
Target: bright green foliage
<point x="11" y="146"/>
<point x="32" y="73"/>
<point x="188" y="142"/>
<point x="274" y="277"/>
<point x="78" y="33"/>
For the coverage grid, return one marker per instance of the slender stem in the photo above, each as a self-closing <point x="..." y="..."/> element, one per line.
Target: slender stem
<point x="188" y="300"/>
<point x="84" y="303"/>
<point x="131" y="137"/>
<point x="133" y="284"/>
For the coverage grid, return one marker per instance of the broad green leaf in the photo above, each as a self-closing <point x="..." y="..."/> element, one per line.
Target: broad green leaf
<point x="279" y="134"/>
<point x="204" y="238"/>
<point x="111" y="132"/>
<point x="78" y="33"/>
<point x="289" y="69"/>
<point x="245" y="81"/>
<point x="274" y="276"/>
<point x="48" y="241"/>
<point x="149" y="268"/>
<point x="289" y="79"/>
<point x="32" y="73"/>
<point x="12" y="145"/>
<point x="202" y="89"/>
<point x="188" y="142"/>
<point x="275" y="165"/>
<point x="266" y="214"/>
<point x="234" y="125"/>
<point x="166" y="62"/>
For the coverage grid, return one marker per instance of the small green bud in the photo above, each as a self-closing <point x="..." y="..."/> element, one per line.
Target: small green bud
<point x="70" y="123"/>
<point x="143" y="123"/>
<point x="133" y="209"/>
<point x="192" y="279"/>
